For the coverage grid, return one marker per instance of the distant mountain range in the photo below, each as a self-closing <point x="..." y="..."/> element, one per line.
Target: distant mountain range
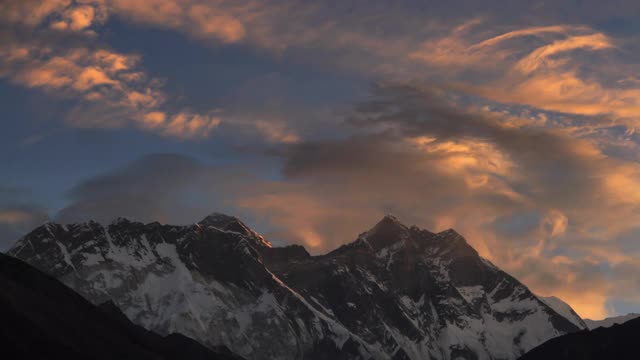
<point x="396" y="292"/>
<point x="44" y="319"/>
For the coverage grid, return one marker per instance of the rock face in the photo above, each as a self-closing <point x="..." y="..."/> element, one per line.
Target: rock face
<point x="43" y="319"/>
<point x="396" y="292"/>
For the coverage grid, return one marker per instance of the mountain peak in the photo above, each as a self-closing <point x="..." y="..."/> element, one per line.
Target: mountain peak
<point x="386" y="232"/>
<point x="390" y="218"/>
<point x="120" y="221"/>
<point x="218" y="218"/>
<point x="450" y="233"/>
<point x="233" y="224"/>
<point x="225" y="222"/>
<point x="389" y="221"/>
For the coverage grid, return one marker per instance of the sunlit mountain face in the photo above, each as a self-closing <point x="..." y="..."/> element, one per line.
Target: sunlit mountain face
<point x="513" y="123"/>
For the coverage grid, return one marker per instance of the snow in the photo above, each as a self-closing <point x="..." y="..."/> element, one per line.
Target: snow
<point x="341" y="333"/>
<point x="327" y="311"/>
<point x="265" y="304"/>
<point x="91" y="259"/>
<point x="471" y="293"/>
<point x="389" y="252"/>
<point x="65" y="254"/>
<point x="372" y="279"/>
<point x="126" y="255"/>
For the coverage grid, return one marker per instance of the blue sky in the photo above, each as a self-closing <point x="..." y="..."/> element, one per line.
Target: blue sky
<point x="513" y="122"/>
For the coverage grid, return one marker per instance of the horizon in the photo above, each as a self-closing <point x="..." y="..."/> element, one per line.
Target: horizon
<point x="512" y="123"/>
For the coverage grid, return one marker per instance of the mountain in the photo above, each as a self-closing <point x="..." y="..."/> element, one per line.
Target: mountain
<point x="565" y="310"/>
<point x="610" y="321"/>
<point x="396" y="292"/>
<point x="42" y="318"/>
<point x="619" y="342"/>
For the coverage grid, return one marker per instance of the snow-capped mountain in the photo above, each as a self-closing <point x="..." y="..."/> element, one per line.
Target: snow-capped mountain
<point x="610" y="321"/>
<point x="397" y="292"/>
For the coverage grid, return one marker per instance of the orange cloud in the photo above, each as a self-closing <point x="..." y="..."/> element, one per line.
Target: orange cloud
<point x="14" y="216"/>
<point x="154" y="119"/>
<point x="564" y="91"/>
<point x="76" y="18"/>
<point x="457" y="50"/>
<point x="208" y="20"/>
<point x="541" y="56"/>
<point x="546" y="76"/>
<point x="110" y="80"/>
<point x="31" y="12"/>
<point x="187" y="125"/>
<point x="276" y="132"/>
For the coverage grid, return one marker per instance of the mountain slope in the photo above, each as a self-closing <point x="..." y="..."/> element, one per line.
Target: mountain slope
<point x="610" y="321"/>
<point x="396" y="292"/>
<point x="565" y="310"/>
<point x="616" y="342"/>
<point x="42" y="318"/>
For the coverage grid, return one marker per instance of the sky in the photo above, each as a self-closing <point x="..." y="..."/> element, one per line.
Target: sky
<point x="513" y="122"/>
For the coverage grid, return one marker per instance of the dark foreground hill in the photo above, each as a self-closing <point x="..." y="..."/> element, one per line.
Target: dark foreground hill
<point x="43" y="319"/>
<point x="618" y="342"/>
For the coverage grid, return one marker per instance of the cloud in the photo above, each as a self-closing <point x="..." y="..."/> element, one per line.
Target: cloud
<point x="183" y="124"/>
<point x="79" y="18"/>
<point x="545" y="66"/>
<point x="144" y="190"/>
<point x="542" y="56"/>
<point x="170" y="188"/>
<point x="209" y="20"/>
<point x="438" y="163"/>
<point x="16" y="220"/>
<point x="31" y="12"/>
<point x="276" y="132"/>
<point x="537" y="201"/>
<point x="544" y="63"/>
<point x="110" y="89"/>
<point x="519" y="148"/>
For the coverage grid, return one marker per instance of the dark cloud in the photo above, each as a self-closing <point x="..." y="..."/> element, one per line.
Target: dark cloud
<point x="517" y="225"/>
<point x="153" y="188"/>
<point x="551" y="167"/>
